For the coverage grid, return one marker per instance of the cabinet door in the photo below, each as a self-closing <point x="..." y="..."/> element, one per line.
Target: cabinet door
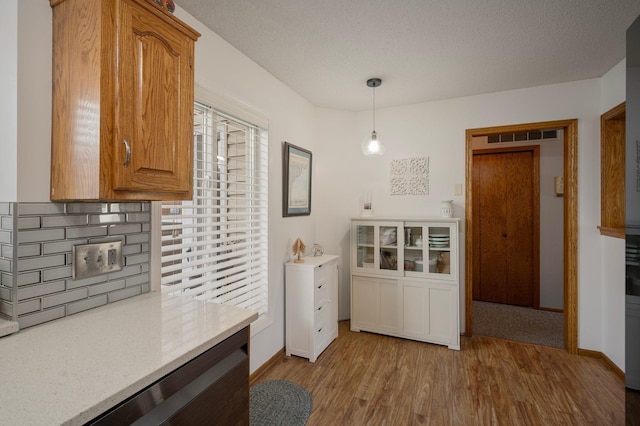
<point x="363" y="236"/>
<point x="415" y="315"/>
<point x="388" y="305"/>
<point x="443" y="315"/>
<point x="375" y="247"/>
<point x="388" y="240"/>
<point x="153" y="133"/>
<point x="374" y="304"/>
<point x="431" y="250"/>
<point x="632" y="348"/>
<point x="430" y="312"/>
<point x="365" y="299"/>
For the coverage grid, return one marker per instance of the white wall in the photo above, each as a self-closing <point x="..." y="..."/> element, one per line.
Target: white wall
<point x="551" y="225"/>
<point x="613" y="87"/>
<point x="34" y="101"/>
<point x="612" y="250"/>
<point x="8" y="101"/>
<point x="335" y="128"/>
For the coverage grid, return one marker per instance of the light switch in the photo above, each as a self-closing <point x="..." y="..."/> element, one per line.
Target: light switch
<point x="458" y="189"/>
<point x="559" y="184"/>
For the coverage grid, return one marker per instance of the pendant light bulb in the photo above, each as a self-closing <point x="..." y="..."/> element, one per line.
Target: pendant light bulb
<point x="372" y="145"/>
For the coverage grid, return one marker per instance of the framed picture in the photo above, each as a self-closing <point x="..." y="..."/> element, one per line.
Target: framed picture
<point x="296" y="181"/>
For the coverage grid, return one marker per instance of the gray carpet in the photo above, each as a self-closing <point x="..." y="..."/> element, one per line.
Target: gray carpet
<point x="518" y="323"/>
<point x="279" y="402"/>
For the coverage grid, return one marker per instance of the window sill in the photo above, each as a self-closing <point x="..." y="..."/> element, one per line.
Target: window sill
<point x="612" y="232"/>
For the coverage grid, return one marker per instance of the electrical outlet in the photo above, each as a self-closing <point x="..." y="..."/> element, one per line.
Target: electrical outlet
<point x="96" y="259"/>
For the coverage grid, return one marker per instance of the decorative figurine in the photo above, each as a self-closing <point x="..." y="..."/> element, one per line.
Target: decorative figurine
<point x="298" y="250"/>
<point x="317" y="250"/>
<point x="166" y="5"/>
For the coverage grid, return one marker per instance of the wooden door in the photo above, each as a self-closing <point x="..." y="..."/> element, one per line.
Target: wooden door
<point x="154" y="112"/>
<point x="506" y="238"/>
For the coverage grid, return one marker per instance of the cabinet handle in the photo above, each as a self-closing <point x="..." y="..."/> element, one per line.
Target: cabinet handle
<point x="320" y="329"/>
<point x="320" y="286"/>
<point x="127" y="150"/>
<point x="320" y="308"/>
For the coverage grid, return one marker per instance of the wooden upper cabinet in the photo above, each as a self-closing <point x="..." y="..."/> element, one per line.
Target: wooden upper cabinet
<point x="122" y="124"/>
<point x="612" y="169"/>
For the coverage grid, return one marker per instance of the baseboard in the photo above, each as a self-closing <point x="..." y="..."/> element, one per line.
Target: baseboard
<point x="551" y="309"/>
<point x="603" y="357"/>
<point x="264" y="367"/>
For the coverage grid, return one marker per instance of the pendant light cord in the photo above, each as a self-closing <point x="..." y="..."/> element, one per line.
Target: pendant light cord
<point x="374" y="108"/>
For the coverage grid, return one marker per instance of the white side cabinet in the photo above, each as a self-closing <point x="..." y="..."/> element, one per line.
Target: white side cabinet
<point x="311" y="296"/>
<point x="404" y="278"/>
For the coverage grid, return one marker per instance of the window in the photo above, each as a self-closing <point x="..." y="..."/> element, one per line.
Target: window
<point x="214" y="247"/>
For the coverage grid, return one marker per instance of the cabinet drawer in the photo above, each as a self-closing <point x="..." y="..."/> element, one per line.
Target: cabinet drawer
<point x="321" y="273"/>
<point x="321" y="293"/>
<point x="322" y="337"/>
<point x="322" y="313"/>
<point x="321" y="332"/>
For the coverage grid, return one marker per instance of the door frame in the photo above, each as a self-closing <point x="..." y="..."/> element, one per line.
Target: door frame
<point x="570" y="200"/>
<point x="535" y="219"/>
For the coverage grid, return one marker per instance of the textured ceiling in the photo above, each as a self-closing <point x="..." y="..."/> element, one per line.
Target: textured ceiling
<point x="423" y="50"/>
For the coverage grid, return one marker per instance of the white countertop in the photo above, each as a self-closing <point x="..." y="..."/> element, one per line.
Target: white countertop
<point x="73" y="369"/>
<point x="7" y="327"/>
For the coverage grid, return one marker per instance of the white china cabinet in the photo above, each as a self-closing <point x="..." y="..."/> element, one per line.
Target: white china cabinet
<point x="404" y="278"/>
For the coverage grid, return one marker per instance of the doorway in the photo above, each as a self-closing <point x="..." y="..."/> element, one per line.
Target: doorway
<point x="570" y="189"/>
<point x="507" y="215"/>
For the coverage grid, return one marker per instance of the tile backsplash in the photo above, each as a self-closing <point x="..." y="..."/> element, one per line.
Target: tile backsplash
<point x="36" y="241"/>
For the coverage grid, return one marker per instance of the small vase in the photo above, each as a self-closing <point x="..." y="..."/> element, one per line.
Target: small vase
<point x="440" y="263"/>
<point x="446" y="208"/>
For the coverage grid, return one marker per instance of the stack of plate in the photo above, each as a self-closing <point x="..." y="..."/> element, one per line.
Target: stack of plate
<point x="439" y="240"/>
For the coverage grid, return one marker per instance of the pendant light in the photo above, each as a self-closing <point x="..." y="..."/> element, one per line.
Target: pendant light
<point x="372" y="145"/>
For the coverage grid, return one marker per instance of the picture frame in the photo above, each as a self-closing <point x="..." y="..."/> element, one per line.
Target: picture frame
<point x="296" y="181"/>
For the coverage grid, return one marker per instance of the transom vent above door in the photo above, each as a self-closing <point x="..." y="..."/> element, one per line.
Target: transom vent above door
<point x="523" y="136"/>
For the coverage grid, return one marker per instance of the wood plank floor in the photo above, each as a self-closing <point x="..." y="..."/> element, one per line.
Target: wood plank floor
<point x="369" y="379"/>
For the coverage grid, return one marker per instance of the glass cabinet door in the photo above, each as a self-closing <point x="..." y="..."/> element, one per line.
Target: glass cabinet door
<point x="414" y="253"/>
<point x="388" y="255"/>
<point x="376" y="247"/>
<point x="365" y="246"/>
<point x="430" y="250"/>
<point x="439" y="240"/>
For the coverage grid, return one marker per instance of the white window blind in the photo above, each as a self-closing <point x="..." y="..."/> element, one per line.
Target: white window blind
<point x="215" y="246"/>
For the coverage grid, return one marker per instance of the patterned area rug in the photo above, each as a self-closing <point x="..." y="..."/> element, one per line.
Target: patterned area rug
<point x="279" y="402"/>
<point x="518" y="323"/>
